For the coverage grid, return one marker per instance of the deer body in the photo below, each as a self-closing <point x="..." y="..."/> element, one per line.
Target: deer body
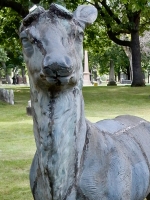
<point x="58" y="152"/>
<point x="75" y="159"/>
<point x="76" y="164"/>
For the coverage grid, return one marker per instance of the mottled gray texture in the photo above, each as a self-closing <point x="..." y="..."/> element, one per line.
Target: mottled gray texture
<point x="7" y="96"/>
<point x="75" y="159"/>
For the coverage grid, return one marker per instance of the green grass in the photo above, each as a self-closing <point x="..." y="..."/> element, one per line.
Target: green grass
<point x="17" y="145"/>
<point x="109" y="102"/>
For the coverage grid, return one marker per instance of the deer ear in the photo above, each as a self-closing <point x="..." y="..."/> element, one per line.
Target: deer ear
<point x="85" y="14"/>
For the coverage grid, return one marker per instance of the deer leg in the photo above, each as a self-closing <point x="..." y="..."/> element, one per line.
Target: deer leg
<point x="148" y="197"/>
<point x="39" y="183"/>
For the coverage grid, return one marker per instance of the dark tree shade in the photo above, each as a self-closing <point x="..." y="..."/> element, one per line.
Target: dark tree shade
<point x="18" y="7"/>
<point x="35" y="1"/>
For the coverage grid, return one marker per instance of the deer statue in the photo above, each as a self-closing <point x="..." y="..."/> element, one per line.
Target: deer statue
<point x="76" y="159"/>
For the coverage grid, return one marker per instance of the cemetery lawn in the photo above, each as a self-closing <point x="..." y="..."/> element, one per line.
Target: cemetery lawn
<point x="17" y="146"/>
<point x="105" y="102"/>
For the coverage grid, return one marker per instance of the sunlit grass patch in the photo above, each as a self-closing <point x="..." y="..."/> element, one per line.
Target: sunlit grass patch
<point x="108" y="102"/>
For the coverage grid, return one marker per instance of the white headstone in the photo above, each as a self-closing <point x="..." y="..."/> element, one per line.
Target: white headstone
<point x="112" y="75"/>
<point x="86" y="73"/>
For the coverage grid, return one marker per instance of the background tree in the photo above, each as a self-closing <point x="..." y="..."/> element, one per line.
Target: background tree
<point x="145" y="51"/>
<point x="145" y="44"/>
<point x="101" y="62"/>
<point x="125" y="17"/>
<point x="3" y="59"/>
<point x="9" y="40"/>
<point x="118" y="17"/>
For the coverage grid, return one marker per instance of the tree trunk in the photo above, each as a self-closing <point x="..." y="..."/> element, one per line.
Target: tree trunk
<point x="118" y="76"/>
<point x="136" y="60"/>
<point x="0" y="78"/>
<point x="128" y="73"/>
<point x="128" y="53"/>
<point x="23" y="75"/>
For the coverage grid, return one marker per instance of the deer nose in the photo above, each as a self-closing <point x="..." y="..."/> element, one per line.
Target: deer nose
<point x="57" y="65"/>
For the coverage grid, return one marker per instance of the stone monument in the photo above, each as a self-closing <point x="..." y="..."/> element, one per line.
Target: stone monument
<point x="76" y="159"/>
<point x="86" y="73"/>
<point x="112" y="81"/>
<point x="29" y="108"/>
<point x="7" y="95"/>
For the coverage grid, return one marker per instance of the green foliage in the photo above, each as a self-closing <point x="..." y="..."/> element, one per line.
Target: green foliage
<point x="10" y="22"/>
<point x="145" y="62"/>
<point x="46" y="3"/>
<point x="9" y="39"/>
<point x="114" y="19"/>
<point x="101" y="61"/>
<point x="135" y="5"/>
<point x="3" y="55"/>
<point x="121" y="18"/>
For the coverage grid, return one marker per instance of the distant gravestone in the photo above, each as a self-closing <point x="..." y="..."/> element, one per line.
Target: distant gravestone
<point x="126" y="81"/>
<point x="29" y="108"/>
<point x="86" y="73"/>
<point x="7" y="96"/>
<point x="112" y="81"/>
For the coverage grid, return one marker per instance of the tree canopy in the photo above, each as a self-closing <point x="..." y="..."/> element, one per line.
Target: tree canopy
<point x="124" y="21"/>
<point x="120" y="21"/>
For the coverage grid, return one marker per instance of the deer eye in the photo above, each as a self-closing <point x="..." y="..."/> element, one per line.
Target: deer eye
<point x="72" y="35"/>
<point x="27" y="46"/>
<point x="81" y="36"/>
<point x="25" y="42"/>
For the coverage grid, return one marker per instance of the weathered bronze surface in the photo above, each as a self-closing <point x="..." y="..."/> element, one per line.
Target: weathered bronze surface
<point x="75" y="159"/>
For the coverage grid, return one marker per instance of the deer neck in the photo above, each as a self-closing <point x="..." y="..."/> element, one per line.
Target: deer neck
<point x="60" y="131"/>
